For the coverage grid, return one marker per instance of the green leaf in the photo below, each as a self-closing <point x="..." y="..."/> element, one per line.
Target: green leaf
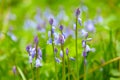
<point x="115" y="73"/>
<point x="114" y="78"/>
<point x="21" y="73"/>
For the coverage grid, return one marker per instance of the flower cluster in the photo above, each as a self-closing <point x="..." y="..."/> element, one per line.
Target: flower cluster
<point x="86" y="47"/>
<point x="35" y="52"/>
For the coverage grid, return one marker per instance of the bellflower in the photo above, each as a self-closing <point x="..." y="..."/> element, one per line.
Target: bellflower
<point x="80" y="21"/>
<point x="58" y="60"/>
<point x="30" y="59"/>
<point x="84" y="33"/>
<point x="61" y="27"/>
<point x="67" y="51"/>
<point x="84" y="53"/>
<point x="61" y="53"/>
<point x="49" y="41"/>
<point x="14" y="69"/>
<point x="28" y="48"/>
<point x="36" y="39"/>
<point x="61" y="39"/>
<point x="38" y="63"/>
<point x="51" y="21"/>
<point x="72" y="59"/>
<point x="83" y="43"/>
<point x="77" y="12"/>
<point x="39" y="54"/>
<point x="74" y="26"/>
<point x="55" y="50"/>
<point x="33" y="52"/>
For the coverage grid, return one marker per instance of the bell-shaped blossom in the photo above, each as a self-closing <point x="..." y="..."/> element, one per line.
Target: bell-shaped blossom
<point x="30" y="59"/>
<point x="61" y="53"/>
<point x="57" y="60"/>
<point x="38" y="63"/>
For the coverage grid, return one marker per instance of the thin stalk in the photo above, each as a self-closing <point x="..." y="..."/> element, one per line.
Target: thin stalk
<point x="68" y="68"/>
<point x="14" y="77"/>
<point x="76" y="49"/>
<point x="102" y="65"/>
<point x="84" y="70"/>
<point x="63" y="62"/>
<point x="37" y="72"/>
<point x="56" y="77"/>
<point x="32" y="72"/>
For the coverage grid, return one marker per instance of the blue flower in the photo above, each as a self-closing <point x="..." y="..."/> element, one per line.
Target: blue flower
<point x="38" y="63"/>
<point x="77" y="12"/>
<point x="30" y="59"/>
<point x="61" y="53"/>
<point x="51" y="21"/>
<point x="39" y="54"/>
<point x="33" y="52"/>
<point x="72" y="59"/>
<point x="14" y="69"/>
<point x="61" y="39"/>
<point x="36" y="39"/>
<point x="61" y="27"/>
<point x="83" y="43"/>
<point x="28" y="48"/>
<point x="67" y="51"/>
<point x="57" y="60"/>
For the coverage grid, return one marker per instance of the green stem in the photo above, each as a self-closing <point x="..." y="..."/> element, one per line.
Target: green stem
<point x="68" y="68"/>
<point x="76" y="49"/>
<point x="14" y="76"/>
<point x="36" y="58"/>
<point x="102" y="65"/>
<point x="56" y="77"/>
<point x="32" y="72"/>
<point x="84" y="70"/>
<point x="63" y="62"/>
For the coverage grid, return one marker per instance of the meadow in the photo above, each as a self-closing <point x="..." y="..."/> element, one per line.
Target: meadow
<point x="59" y="40"/>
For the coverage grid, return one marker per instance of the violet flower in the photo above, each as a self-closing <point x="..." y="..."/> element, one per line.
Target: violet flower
<point x="67" y="51"/>
<point x="61" y="27"/>
<point x="14" y="69"/>
<point x="77" y="12"/>
<point x="28" y="48"/>
<point x="58" y="60"/>
<point x="38" y="63"/>
<point x="51" y="21"/>
<point x="55" y="50"/>
<point x="61" y="53"/>
<point x="36" y="39"/>
<point x="61" y="39"/>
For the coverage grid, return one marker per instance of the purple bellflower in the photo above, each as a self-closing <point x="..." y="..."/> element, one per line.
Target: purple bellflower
<point x="67" y="51"/>
<point x="58" y="60"/>
<point x="38" y="63"/>
<point x="14" y="69"/>
<point x="77" y="12"/>
<point x="61" y="27"/>
<point x="51" y="21"/>
<point x="61" y="53"/>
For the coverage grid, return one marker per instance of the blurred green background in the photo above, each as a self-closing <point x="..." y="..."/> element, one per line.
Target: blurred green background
<point x="106" y="39"/>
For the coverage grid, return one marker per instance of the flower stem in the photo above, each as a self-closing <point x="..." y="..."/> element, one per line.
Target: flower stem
<point x="56" y="77"/>
<point x="32" y="72"/>
<point x="68" y="68"/>
<point x="63" y="62"/>
<point x="102" y="65"/>
<point x="76" y="49"/>
<point x="36" y="58"/>
<point x="84" y="70"/>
